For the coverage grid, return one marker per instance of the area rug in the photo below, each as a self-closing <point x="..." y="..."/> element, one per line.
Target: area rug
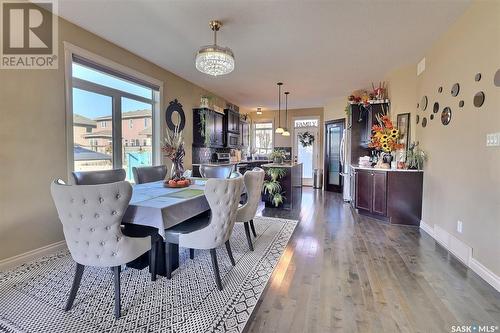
<point x="33" y="296"/>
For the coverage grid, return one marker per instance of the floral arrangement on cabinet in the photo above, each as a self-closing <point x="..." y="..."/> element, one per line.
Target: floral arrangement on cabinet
<point x="385" y="140"/>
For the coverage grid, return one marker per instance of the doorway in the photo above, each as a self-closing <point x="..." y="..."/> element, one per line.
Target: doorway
<point x="334" y="131"/>
<point x="306" y="146"/>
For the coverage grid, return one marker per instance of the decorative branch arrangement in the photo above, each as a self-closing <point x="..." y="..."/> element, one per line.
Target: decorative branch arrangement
<point x="174" y="150"/>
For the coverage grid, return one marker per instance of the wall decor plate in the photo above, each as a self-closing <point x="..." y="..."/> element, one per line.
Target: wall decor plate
<point x="479" y="99"/>
<point x="446" y="116"/>
<point x="455" y="89"/>
<point x="496" y="79"/>
<point x="477" y="78"/>
<point x="424" y="122"/>
<point x="440" y="89"/>
<point x="435" y="107"/>
<point x="174" y="116"/>
<point x="432" y="117"/>
<point x="461" y="104"/>
<point x="417" y="119"/>
<point x="423" y="103"/>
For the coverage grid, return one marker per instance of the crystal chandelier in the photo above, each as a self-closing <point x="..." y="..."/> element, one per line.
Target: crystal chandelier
<point x="213" y="59"/>
<point x="285" y="130"/>
<point x="279" y="130"/>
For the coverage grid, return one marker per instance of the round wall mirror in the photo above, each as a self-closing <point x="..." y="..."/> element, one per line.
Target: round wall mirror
<point x="440" y="89"/>
<point x="435" y="108"/>
<point x="455" y="90"/>
<point x="461" y="104"/>
<point x="446" y="116"/>
<point x="417" y="119"/>
<point x="479" y="99"/>
<point x="496" y="79"/>
<point x="424" y="122"/>
<point x="477" y="78"/>
<point x="423" y="103"/>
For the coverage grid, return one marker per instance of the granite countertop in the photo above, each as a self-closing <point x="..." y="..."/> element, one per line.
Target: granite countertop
<point x="387" y="170"/>
<point x="232" y="163"/>
<point x="284" y="165"/>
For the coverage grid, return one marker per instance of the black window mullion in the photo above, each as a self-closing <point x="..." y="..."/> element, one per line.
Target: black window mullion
<point x="117" y="132"/>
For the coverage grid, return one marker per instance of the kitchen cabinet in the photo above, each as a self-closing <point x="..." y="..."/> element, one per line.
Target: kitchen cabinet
<point x="208" y="128"/>
<point x="232" y="121"/>
<point x="391" y="195"/>
<point x="244" y="134"/>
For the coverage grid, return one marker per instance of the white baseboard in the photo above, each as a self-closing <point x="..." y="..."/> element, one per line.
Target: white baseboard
<point x="462" y="252"/>
<point x="22" y="258"/>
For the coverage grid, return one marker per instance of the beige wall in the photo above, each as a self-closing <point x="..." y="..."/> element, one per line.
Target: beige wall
<point x="283" y="141"/>
<point x="402" y="90"/>
<point x="462" y="178"/>
<point x="33" y="142"/>
<point x="335" y="109"/>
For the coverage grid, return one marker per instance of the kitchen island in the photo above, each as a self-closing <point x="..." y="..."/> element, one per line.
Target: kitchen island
<point x="290" y="183"/>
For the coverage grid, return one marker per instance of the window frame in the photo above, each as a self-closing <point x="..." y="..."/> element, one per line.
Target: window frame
<point x="254" y="134"/>
<point x="71" y="52"/>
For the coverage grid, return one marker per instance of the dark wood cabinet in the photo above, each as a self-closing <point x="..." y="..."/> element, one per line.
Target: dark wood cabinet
<point x="232" y="121"/>
<point x="395" y="196"/>
<point x="218" y="139"/>
<point x="244" y="134"/>
<point x="208" y="128"/>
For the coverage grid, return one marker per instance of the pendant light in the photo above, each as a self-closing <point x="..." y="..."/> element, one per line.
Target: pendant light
<point x="259" y="111"/>
<point x="214" y="59"/>
<point x="279" y="130"/>
<point x="285" y="132"/>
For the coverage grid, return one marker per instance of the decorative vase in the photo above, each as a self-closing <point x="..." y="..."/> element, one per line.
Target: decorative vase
<point x="387" y="158"/>
<point x="177" y="168"/>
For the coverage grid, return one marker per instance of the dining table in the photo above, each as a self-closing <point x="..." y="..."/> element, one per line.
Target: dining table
<point x="154" y="205"/>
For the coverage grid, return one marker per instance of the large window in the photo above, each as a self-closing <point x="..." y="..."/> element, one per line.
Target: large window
<point x="105" y="107"/>
<point x="264" y="138"/>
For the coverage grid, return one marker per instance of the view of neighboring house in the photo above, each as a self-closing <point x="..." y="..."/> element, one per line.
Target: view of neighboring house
<point x="95" y="135"/>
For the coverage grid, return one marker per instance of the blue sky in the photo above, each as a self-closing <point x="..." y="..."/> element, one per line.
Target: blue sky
<point x="92" y="105"/>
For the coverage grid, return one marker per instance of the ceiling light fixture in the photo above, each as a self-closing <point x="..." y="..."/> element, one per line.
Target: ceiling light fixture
<point x="259" y="111"/>
<point x="279" y="130"/>
<point x="213" y="59"/>
<point x="285" y="132"/>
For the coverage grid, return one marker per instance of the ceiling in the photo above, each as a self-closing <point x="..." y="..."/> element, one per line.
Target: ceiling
<point x="319" y="49"/>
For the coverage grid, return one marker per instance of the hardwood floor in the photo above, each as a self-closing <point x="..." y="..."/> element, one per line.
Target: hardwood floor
<point x="342" y="272"/>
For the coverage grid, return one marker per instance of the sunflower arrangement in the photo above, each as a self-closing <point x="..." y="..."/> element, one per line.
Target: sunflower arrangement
<point x="385" y="136"/>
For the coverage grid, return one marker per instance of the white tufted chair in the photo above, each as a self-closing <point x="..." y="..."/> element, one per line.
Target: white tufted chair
<point x="209" y="232"/>
<point x="253" y="183"/>
<point x="91" y="217"/>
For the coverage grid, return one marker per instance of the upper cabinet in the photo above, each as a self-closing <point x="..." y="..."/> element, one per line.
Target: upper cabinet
<point x="208" y="128"/>
<point x="244" y="133"/>
<point x="232" y="121"/>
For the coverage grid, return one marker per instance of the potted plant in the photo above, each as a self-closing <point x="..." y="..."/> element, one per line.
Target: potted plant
<point x="272" y="188"/>
<point x="278" y="156"/>
<point x="415" y="157"/>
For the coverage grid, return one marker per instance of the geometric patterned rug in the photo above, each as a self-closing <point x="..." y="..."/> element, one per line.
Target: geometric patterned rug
<point x="33" y="296"/>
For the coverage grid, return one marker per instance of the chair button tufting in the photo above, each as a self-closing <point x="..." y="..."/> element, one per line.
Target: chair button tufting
<point x="101" y="199"/>
<point x="71" y="200"/>
<point x="98" y="256"/>
<point x="84" y="201"/>
<point x="113" y="212"/>
<point x="92" y="229"/>
<point x="108" y="227"/>
<point x="102" y="243"/>
<point x="77" y="229"/>
<point x="113" y="254"/>
<point x="88" y="243"/>
<point x="118" y="196"/>
<point x="96" y="216"/>
<point x="81" y="217"/>
<point x="118" y="239"/>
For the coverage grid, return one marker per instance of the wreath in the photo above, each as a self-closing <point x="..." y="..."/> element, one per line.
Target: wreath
<point x="306" y="139"/>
